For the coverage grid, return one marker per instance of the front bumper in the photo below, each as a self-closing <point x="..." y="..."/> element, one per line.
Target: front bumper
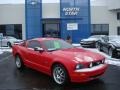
<point x="87" y="44"/>
<point x="88" y="74"/>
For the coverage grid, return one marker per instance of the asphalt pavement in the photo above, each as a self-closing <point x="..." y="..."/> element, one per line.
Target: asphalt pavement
<point x="13" y="79"/>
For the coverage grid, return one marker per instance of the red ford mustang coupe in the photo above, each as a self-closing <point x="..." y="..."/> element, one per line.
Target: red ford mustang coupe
<point x="59" y="59"/>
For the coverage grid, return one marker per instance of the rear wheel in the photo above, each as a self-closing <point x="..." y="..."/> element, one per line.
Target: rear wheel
<point x="9" y="44"/>
<point x="19" y="62"/>
<point x="60" y="75"/>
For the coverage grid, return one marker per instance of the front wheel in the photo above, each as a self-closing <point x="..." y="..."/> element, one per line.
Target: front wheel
<point x="19" y="62"/>
<point x="99" y="47"/>
<point x="59" y="75"/>
<point x="111" y="53"/>
<point x="96" y="45"/>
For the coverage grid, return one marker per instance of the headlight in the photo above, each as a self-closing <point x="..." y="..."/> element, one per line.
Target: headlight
<point x="79" y="66"/>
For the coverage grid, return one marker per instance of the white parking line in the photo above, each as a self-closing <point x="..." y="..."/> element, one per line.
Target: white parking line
<point x="6" y="58"/>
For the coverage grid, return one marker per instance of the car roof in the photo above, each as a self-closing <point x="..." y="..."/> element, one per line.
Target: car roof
<point x="44" y="39"/>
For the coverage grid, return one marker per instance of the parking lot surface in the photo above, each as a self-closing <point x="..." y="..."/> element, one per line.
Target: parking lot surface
<point x="12" y="79"/>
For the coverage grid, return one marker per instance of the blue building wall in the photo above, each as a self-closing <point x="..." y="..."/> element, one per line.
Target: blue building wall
<point x="80" y="16"/>
<point x="78" y="12"/>
<point x="33" y="10"/>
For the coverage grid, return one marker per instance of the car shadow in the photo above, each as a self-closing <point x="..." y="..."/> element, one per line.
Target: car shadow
<point x="35" y="80"/>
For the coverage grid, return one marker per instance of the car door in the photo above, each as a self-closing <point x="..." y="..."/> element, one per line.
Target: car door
<point x="32" y="56"/>
<point x="37" y="60"/>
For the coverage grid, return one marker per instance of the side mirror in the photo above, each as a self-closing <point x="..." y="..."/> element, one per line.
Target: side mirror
<point x="39" y="49"/>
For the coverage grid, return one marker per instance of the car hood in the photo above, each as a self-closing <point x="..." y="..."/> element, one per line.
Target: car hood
<point x="115" y="42"/>
<point x="90" y="39"/>
<point x="78" y="55"/>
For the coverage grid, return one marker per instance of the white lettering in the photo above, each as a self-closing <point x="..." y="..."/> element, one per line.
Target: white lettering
<point x="71" y="11"/>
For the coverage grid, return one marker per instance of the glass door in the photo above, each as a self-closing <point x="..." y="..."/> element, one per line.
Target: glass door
<point x="51" y="30"/>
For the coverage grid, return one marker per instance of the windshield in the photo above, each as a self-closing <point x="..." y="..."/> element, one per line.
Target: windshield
<point x="52" y="45"/>
<point x="96" y="36"/>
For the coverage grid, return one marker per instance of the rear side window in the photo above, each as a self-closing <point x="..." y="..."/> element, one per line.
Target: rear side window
<point x="33" y="44"/>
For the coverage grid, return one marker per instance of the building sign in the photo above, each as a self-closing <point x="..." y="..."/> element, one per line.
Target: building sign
<point x="72" y="26"/>
<point x="72" y="11"/>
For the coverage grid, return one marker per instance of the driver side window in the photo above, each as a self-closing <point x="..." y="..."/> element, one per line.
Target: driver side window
<point x="33" y="44"/>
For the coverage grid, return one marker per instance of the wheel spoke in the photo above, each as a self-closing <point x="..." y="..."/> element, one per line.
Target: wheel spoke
<point x="59" y="75"/>
<point x="18" y="62"/>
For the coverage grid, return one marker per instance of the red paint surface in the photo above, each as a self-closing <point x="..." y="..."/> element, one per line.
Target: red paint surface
<point x="43" y="61"/>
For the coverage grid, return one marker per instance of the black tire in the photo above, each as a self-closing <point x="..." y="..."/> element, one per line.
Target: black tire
<point x="99" y="47"/>
<point x="9" y="44"/>
<point x="111" y="52"/>
<point x="19" y="63"/>
<point x="60" y="75"/>
<point x="96" y="45"/>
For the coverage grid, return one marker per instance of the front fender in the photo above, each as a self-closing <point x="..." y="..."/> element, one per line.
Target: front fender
<point x="69" y="65"/>
<point x="112" y="46"/>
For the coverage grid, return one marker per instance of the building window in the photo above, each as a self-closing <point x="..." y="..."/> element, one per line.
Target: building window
<point x="118" y="16"/>
<point x="118" y="30"/>
<point x="100" y="29"/>
<point x="14" y="30"/>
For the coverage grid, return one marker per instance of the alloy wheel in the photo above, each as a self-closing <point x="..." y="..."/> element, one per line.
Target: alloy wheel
<point x="59" y="75"/>
<point x="18" y="62"/>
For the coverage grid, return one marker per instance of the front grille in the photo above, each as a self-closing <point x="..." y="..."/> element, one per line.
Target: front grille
<point x="89" y="42"/>
<point x="93" y="64"/>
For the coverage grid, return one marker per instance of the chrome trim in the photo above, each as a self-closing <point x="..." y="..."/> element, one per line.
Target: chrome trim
<point x="91" y="69"/>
